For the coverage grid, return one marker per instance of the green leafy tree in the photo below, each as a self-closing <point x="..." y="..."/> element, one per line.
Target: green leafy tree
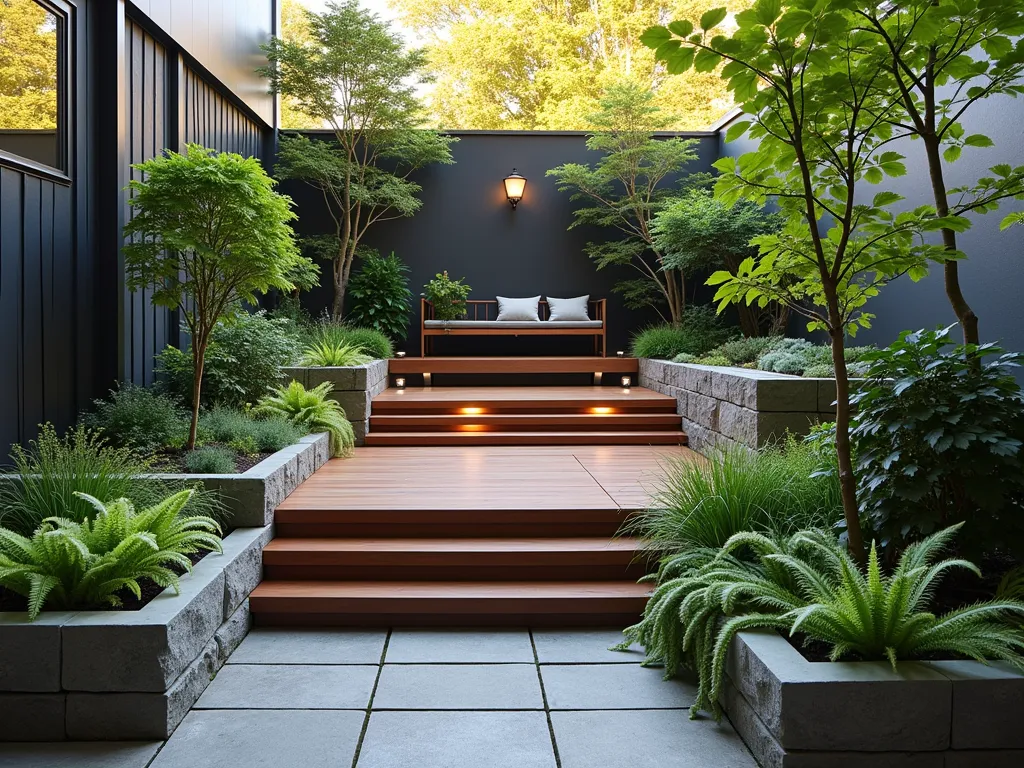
<point x="530" y="65"/>
<point x="354" y="74"/>
<point x="942" y="57"/>
<point x="208" y="233"/>
<point x="699" y="233"/>
<point x="295" y="28"/>
<point x="625" y="189"/>
<point x="822" y="131"/>
<point x="28" y="66"/>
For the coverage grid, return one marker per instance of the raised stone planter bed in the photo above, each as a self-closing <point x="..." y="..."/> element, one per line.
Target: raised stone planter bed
<point x="252" y="496"/>
<point x="793" y="713"/>
<point x="354" y="388"/>
<point x="122" y="675"/>
<point x="723" y="407"/>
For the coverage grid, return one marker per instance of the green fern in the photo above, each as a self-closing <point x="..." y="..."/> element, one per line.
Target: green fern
<point x="325" y="354"/>
<point x="68" y="565"/>
<point x="807" y="583"/>
<point x="313" y="410"/>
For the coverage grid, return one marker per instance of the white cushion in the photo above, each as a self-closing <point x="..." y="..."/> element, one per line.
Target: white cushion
<point x="568" y="309"/>
<point x="518" y="309"/>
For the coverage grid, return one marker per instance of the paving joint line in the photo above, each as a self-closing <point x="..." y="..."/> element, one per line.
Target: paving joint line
<point x="369" y="704"/>
<point x="544" y="699"/>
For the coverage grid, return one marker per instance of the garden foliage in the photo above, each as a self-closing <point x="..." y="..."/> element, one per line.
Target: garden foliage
<point x="448" y="296"/>
<point x="313" y="410"/>
<point x="140" y="418"/>
<point x="379" y="295"/>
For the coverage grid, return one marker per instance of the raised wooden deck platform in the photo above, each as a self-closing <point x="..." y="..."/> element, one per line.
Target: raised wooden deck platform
<point x="455" y="536"/>
<point x="406" y="366"/>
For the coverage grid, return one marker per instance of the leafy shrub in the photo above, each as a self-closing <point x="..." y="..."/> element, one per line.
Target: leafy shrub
<point x="324" y="354"/>
<point x="139" y="418"/>
<point x="54" y="471"/>
<point x="808" y="584"/>
<point x="247" y="434"/>
<point x="704" y="503"/>
<point x="747" y="349"/>
<point x="242" y="362"/>
<point x="379" y="296"/>
<point x="332" y="334"/>
<point x="67" y="565"/>
<point x="313" y="410"/>
<point x="448" y="296"/>
<point x="210" y="460"/>
<point x="700" y="331"/>
<point x="788" y="356"/>
<point x="938" y="436"/>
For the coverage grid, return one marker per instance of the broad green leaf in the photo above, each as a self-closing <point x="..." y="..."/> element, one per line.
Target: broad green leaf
<point x="736" y="130"/>
<point x="680" y="61"/>
<point x="792" y="23"/>
<point x="886" y="198"/>
<point x="655" y="36"/>
<point x="952" y="154"/>
<point x="683" y="28"/>
<point x="978" y="140"/>
<point x="713" y="18"/>
<point x="706" y="61"/>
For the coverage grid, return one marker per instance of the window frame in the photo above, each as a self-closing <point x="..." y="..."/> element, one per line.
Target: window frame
<point x="64" y="12"/>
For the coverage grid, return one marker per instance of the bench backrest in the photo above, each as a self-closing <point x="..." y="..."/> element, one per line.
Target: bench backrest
<point x="487" y="309"/>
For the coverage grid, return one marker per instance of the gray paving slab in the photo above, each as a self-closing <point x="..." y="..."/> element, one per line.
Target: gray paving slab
<point x="263" y="739"/>
<point x="457" y="740"/>
<point x="315" y="646"/>
<point x="646" y="739"/>
<point x="613" y="686"/>
<point x="467" y="646"/>
<point x="294" y="686"/>
<point x="583" y="646"/>
<point x="70" y="754"/>
<point x="458" y="686"/>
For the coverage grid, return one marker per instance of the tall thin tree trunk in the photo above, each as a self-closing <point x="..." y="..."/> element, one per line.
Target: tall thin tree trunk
<point x="198" y="364"/>
<point x="847" y="481"/>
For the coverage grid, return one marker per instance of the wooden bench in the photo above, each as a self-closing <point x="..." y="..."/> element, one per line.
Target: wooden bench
<point x="481" y="320"/>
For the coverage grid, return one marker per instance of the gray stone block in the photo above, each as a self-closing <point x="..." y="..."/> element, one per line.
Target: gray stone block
<point x="755" y="734"/>
<point x="583" y="646"/>
<point x="843" y="706"/>
<point x="342" y="379"/>
<point x="826" y="395"/>
<point x="987" y="704"/>
<point x="79" y="754"/>
<point x="243" y="564"/>
<point x="1001" y="758"/>
<point x="706" y="410"/>
<point x="360" y="428"/>
<point x="773" y="427"/>
<point x="739" y="424"/>
<point x="144" y="650"/>
<point x="129" y="716"/>
<point x="321" y="451"/>
<point x="613" y="686"/>
<point x="786" y="394"/>
<point x="355" y="404"/>
<point x="30" y="651"/>
<point x="232" y="632"/>
<point x="458" y="686"/>
<point x="244" y="497"/>
<point x="460" y="646"/>
<point x="292" y="686"/>
<point x="32" y="717"/>
<point x="271" y="645"/>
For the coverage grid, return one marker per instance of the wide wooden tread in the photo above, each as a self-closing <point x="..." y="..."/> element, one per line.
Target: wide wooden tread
<point x="646" y="437"/>
<point x="333" y="550"/>
<point x="519" y="422"/>
<point x="507" y="365"/>
<point x="482" y="400"/>
<point x="447" y="597"/>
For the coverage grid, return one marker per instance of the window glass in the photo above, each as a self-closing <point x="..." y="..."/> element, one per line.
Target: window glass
<point x="30" y="81"/>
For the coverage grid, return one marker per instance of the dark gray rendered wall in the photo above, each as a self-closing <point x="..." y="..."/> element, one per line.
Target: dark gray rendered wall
<point x="224" y="36"/>
<point x="466" y="226"/>
<point x="992" y="277"/>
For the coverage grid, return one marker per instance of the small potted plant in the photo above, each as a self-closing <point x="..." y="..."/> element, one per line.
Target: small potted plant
<point x="448" y="297"/>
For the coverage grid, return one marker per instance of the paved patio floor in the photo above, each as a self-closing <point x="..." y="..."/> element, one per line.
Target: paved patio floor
<point x="425" y="699"/>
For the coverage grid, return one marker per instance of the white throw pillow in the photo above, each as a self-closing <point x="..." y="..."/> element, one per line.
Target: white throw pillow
<point x="518" y="309"/>
<point x="568" y="309"/>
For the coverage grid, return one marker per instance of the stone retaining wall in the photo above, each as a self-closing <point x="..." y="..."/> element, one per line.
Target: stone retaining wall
<point x="354" y="388"/>
<point x="723" y="407"/>
<point x="794" y="713"/>
<point x="128" y="675"/>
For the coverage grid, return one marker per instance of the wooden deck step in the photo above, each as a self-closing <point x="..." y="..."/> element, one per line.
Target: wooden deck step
<point x="475" y="401"/>
<point x="326" y="521"/>
<point x="492" y="559"/>
<point x="405" y="366"/>
<point x="447" y="603"/>
<point x="484" y="437"/>
<point x="526" y="422"/>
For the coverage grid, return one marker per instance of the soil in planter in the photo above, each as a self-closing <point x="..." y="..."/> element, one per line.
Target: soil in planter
<point x="12" y="601"/>
<point x="174" y="461"/>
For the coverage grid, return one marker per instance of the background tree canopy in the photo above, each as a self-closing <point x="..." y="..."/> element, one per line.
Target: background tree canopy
<point x="28" y="66"/>
<point x="543" y="65"/>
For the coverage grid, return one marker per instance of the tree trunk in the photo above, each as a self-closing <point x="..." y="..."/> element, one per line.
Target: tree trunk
<point x="198" y="362"/>
<point x="951" y="269"/>
<point x="847" y="481"/>
<point x="338" y="306"/>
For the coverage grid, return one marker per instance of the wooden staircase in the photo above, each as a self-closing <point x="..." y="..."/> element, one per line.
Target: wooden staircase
<point x="449" y="568"/>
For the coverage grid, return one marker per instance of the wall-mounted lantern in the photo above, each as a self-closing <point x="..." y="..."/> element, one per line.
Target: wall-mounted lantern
<point x="515" y="183"/>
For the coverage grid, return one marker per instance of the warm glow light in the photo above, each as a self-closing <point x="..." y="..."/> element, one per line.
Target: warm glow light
<point x="399" y="354"/>
<point x="626" y="381"/>
<point x="400" y="382"/>
<point x="602" y="409"/>
<point x="620" y="353"/>
<point x="473" y="427"/>
<point x="473" y="411"/>
<point x="514" y="186"/>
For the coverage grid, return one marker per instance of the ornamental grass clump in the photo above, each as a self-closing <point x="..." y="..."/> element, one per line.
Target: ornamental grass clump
<point x="325" y="354"/>
<point x="808" y="585"/>
<point x="67" y="565"/>
<point x="313" y="410"/>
